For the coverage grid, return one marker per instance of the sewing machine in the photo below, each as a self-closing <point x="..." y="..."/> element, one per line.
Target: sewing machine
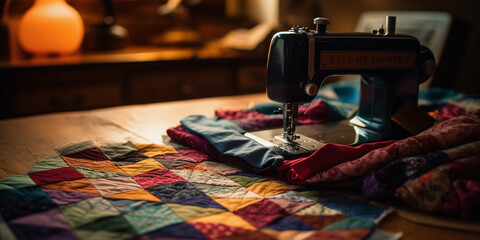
<point x="391" y="67"/>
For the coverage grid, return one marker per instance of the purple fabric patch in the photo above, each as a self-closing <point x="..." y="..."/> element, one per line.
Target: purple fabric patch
<point x="290" y="223"/>
<point x="64" y="198"/>
<point x="39" y="232"/>
<point x="51" y="218"/>
<point x="197" y="156"/>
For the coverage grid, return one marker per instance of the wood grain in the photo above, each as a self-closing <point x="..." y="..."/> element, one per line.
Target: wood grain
<point x="23" y="141"/>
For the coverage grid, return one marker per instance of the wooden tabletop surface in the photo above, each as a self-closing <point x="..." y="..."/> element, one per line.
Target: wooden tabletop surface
<point x="23" y="141"/>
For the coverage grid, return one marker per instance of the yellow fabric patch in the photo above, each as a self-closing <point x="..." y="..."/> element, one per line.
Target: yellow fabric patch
<point x="188" y="212"/>
<point x="288" y="234"/>
<point x="98" y="165"/>
<point x="139" y="194"/>
<point x="268" y="188"/>
<point x="195" y="167"/>
<point x="78" y="185"/>
<point x="143" y="166"/>
<point x="152" y="150"/>
<point x="233" y="204"/>
<point x="226" y="218"/>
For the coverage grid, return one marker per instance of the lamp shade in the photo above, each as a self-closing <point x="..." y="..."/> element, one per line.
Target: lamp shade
<point x="50" y="27"/>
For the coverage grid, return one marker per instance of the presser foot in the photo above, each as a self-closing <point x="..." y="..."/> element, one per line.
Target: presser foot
<point x="301" y="146"/>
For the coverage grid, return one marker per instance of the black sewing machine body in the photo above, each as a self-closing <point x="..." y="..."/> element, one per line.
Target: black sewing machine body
<point x="391" y="67"/>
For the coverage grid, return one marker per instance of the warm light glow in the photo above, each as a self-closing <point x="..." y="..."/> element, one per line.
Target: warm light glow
<point x="51" y="27"/>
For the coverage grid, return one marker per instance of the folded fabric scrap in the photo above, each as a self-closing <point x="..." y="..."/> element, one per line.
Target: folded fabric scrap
<point x="446" y="134"/>
<point x="262" y="116"/>
<point x="451" y="189"/>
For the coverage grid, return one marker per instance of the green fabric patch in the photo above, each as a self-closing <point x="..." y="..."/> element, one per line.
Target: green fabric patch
<point x="147" y="219"/>
<point x="115" y="150"/>
<point x="18" y="181"/>
<point x="48" y="164"/>
<point x="188" y="212"/>
<point x="101" y="235"/>
<point x="350" y="223"/>
<point x="225" y="191"/>
<point x="95" y="173"/>
<point x="110" y="224"/>
<point x="87" y="211"/>
<point x="314" y="195"/>
<point x="247" y="181"/>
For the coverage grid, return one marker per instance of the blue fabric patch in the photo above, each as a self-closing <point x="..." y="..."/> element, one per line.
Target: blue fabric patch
<point x="231" y="142"/>
<point x="353" y="207"/>
<point x="175" y="192"/>
<point x="289" y="223"/>
<point x="28" y="194"/>
<point x="205" y="202"/>
<point x="350" y="223"/>
<point x="180" y="231"/>
<point x="10" y="209"/>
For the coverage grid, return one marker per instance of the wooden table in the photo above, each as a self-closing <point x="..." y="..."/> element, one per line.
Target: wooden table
<point x="23" y="141"/>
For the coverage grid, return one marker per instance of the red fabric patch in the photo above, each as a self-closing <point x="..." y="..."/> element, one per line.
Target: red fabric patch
<point x="216" y="230"/>
<point x="324" y="158"/>
<point x="91" y="154"/>
<point x="157" y="177"/>
<point x="261" y="213"/>
<point x="197" y="156"/>
<point x="55" y="175"/>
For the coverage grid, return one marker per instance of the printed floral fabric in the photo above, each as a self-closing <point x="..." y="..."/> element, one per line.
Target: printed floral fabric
<point x="444" y="135"/>
<point x="452" y="189"/>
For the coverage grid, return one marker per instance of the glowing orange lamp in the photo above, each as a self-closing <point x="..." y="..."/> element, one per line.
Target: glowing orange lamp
<point x="51" y="27"/>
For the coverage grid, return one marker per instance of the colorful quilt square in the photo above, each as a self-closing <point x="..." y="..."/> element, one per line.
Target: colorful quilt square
<point x="353" y="207"/>
<point x="117" y="149"/>
<point x="152" y="150"/>
<point x="269" y="213"/>
<point x="109" y="186"/>
<point x="95" y="173"/>
<point x="143" y="166"/>
<point x="49" y="218"/>
<point x="268" y="188"/>
<point x="110" y="224"/>
<point x="187" y="212"/>
<point x="48" y="164"/>
<point x="205" y="178"/>
<point x="18" y="181"/>
<point x="290" y="223"/>
<point x="64" y="198"/>
<point x="104" y="165"/>
<point x="27" y="194"/>
<point x="176" y="191"/>
<point x="41" y="232"/>
<point x="91" y="154"/>
<point x="81" y="185"/>
<point x="87" y="211"/>
<point x="157" y="177"/>
<point x="220" y="168"/>
<point x="152" y="217"/>
<point x="137" y="195"/>
<point x="178" y="231"/>
<point x="55" y="175"/>
<point x="170" y="164"/>
<point x="129" y="158"/>
<point x="197" y="156"/>
<point x="228" y="220"/>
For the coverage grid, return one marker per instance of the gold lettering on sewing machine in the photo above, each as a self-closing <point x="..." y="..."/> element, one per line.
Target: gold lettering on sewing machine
<point x="367" y="59"/>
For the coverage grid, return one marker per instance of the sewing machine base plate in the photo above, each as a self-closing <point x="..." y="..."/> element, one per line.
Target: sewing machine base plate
<point x="311" y="138"/>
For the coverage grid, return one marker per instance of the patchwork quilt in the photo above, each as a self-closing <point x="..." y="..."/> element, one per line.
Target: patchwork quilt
<point x="148" y="191"/>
